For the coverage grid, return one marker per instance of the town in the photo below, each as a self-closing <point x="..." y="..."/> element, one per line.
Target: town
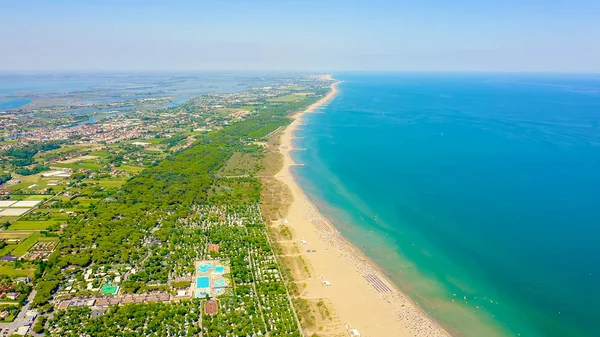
<point x="153" y="211"/>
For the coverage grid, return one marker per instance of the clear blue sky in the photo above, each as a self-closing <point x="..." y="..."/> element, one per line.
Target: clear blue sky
<point x="451" y="35"/>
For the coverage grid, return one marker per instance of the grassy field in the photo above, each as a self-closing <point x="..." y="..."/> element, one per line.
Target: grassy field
<point x="287" y="98"/>
<point x="14" y="235"/>
<point x="110" y="183"/>
<point x="150" y="140"/>
<point x="241" y="163"/>
<point x="11" y="271"/>
<point x="25" y="181"/>
<point x="37" y="197"/>
<point x="84" y="202"/>
<point x="79" y="165"/>
<point x="7" y="249"/>
<point x="99" y="153"/>
<point x="48" y="239"/>
<point x="131" y="169"/>
<point x="24" y="246"/>
<point x="22" y="225"/>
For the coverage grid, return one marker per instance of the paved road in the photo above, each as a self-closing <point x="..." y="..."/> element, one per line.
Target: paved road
<point x="12" y="327"/>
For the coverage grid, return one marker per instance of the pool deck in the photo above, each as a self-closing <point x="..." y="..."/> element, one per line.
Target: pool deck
<point x="217" y="284"/>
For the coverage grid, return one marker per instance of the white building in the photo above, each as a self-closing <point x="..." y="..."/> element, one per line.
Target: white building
<point x="353" y="333"/>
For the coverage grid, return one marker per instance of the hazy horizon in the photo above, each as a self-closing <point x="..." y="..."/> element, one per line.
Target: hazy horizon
<point x="427" y="36"/>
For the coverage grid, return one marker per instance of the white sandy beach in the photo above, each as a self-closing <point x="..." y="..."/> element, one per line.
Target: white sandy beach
<point x="360" y="296"/>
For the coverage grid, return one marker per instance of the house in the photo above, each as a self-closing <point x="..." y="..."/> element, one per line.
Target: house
<point x="22" y="331"/>
<point x="101" y="302"/>
<point x="8" y="258"/>
<point x="353" y="333"/>
<point x="127" y="300"/>
<point x="140" y="143"/>
<point x="97" y="312"/>
<point x="12" y="296"/>
<point x="22" y="280"/>
<point x="59" y="174"/>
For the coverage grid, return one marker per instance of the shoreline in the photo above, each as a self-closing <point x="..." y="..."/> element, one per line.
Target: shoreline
<point x="361" y="296"/>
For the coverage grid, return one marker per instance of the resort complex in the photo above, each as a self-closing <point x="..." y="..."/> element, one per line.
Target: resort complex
<point x="164" y="221"/>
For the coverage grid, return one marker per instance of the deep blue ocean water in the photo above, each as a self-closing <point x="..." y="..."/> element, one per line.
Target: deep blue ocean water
<point x="478" y="194"/>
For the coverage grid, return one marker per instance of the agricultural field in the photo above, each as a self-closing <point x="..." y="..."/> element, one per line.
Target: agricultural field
<point x="10" y="270"/>
<point x="288" y="98"/>
<point x="24" y="246"/>
<point x="119" y="238"/>
<point x="24" y="225"/>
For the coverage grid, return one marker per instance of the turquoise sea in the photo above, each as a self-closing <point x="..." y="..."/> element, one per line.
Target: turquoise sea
<point x="477" y="194"/>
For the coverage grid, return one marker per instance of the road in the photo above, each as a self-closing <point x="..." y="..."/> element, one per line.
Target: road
<point x="12" y="327"/>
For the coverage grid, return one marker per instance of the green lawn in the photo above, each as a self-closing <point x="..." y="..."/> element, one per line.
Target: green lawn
<point x="151" y="140"/>
<point x="241" y="163"/>
<point x="84" y="202"/>
<point x="131" y="169"/>
<point x="48" y="238"/>
<point x="24" y="225"/>
<point x="99" y="153"/>
<point x="7" y="249"/>
<point x="79" y="165"/>
<point x="287" y="98"/>
<point x="37" y="197"/>
<point x="110" y="183"/>
<point x="11" y="271"/>
<point x="24" y="246"/>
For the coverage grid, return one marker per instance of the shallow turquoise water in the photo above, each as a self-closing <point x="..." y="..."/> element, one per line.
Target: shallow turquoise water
<point x="14" y="103"/>
<point x="205" y="267"/>
<point x="219" y="283"/>
<point x="203" y="282"/>
<point x="482" y="189"/>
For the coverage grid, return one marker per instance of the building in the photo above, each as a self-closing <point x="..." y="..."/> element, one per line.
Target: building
<point x="213" y="248"/>
<point x="97" y="312"/>
<point x="25" y="280"/>
<point x="101" y="302"/>
<point x="22" y="331"/>
<point x="57" y="174"/>
<point x="8" y="257"/>
<point x="12" y="296"/>
<point x="353" y="333"/>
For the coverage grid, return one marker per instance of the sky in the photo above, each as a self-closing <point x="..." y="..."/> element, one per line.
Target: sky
<point x="401" y="35"/>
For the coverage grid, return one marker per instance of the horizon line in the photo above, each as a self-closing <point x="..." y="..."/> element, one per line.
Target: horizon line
<point x="122" y="70"/>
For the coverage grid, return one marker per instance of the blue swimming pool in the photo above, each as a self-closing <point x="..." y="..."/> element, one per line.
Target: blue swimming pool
<point x="203" y="282"/>
<point x="205" y="267"/>
<point x="219" y="270"/>
<point x="220" y="283"/>
<point x="202" y="294"/>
